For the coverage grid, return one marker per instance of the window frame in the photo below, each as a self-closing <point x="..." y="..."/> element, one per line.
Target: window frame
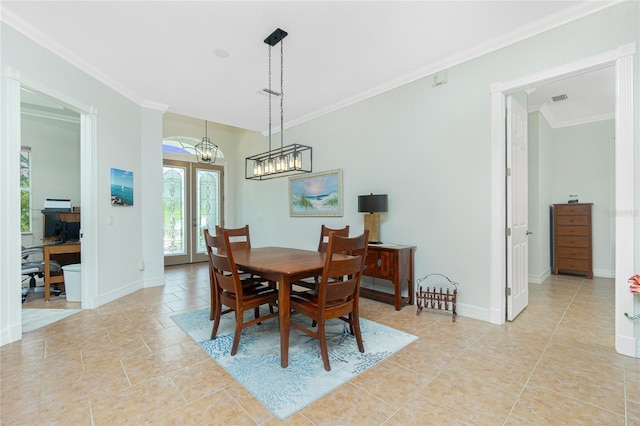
<point x="26" y="185"/>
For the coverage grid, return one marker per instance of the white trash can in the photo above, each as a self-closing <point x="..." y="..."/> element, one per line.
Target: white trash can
<point x="73" y="282"/>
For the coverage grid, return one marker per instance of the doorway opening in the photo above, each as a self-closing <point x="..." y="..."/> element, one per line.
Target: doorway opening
<point x="622" y="60"/>
<point x="50" y="203"/>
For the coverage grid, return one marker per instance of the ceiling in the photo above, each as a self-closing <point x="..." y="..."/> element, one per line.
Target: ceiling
<point x="207" y="59"/>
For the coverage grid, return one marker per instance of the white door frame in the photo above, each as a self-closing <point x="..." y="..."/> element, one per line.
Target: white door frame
<point x="88" y="192"/>
<point x="622" y="59"/>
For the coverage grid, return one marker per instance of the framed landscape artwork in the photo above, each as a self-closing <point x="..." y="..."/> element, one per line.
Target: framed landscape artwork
<point x="316" y="194"/>
<point x="121" y="187"/>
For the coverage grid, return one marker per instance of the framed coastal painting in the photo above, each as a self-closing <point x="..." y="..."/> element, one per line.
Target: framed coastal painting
<point x="121" y="187"/>
<point x="316" y="194"/>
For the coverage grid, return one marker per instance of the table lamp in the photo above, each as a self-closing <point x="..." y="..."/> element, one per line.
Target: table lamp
<point x="372" y="204"/>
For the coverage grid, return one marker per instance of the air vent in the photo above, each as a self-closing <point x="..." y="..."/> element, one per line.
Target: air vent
<point x="559" y="98"/>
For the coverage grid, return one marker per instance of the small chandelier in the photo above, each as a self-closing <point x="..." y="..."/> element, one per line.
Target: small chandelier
<point x="286" y="160"/>
<point x="206" y="151"/>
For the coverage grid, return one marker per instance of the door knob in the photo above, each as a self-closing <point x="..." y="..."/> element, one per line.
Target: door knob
<point x="529" y="233"/>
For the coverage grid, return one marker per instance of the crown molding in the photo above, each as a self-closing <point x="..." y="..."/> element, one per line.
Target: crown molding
<point x="554" y="123"/>
<point x="9" y="18"/>
<point x="513" y="37"/>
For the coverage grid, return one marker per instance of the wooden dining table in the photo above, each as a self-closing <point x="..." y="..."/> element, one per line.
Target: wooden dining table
<point x="283" y="265"/>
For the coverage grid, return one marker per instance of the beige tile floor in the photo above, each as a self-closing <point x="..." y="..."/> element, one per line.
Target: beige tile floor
<point x="128" y="363"/>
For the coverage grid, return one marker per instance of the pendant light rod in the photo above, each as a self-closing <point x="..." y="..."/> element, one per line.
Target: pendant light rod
<point x="287" y="160"/>
<point x="281" y="95"/>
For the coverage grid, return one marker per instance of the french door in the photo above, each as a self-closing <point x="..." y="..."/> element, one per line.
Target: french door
<point x="192" y="201"/>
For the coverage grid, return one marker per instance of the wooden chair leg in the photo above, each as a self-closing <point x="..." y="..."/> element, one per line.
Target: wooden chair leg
<point x="322" y="338"/>
<point x="212" y="313"/>
<point x="216" y="320"/>
<point x="355" y="327"/>
<point x="236" y="336"/>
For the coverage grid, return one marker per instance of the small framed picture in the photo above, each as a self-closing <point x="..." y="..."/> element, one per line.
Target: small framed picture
<point x="121" y="187"/>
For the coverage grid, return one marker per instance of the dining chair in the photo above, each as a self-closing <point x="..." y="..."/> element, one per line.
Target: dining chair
<point x="312" y="283"/>
<point x="231" y="293"/>
<point x="338" y="292"/>
<point x="248" y="281"/>
<point x="239" y="237"/>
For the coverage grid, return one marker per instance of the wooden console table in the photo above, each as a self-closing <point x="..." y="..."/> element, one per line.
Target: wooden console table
<point x="393" y="263"/>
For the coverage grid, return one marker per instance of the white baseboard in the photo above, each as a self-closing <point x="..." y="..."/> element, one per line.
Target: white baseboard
<point x="539" y="278"/>
<point x="627" y="346"/>
<point x="117" y="293"/>
<point x="10" y="334"/>
<point x="153" y="282"/>
<point x="473" y="311"/>
<point x="604" y="273"/>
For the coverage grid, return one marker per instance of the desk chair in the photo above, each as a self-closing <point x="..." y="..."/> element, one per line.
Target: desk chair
<point x="35" y="268"/>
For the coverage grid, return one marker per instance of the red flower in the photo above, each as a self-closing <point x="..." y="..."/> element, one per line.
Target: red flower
<point x="635" y="283"/>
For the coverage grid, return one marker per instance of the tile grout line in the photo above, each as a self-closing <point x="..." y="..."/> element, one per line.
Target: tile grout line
<point x="461" y="354"/>
<point x="526" y="383"/>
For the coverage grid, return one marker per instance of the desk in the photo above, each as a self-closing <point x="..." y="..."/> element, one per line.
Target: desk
<point x="283" y="265"/>
<point x="49" y="249"/>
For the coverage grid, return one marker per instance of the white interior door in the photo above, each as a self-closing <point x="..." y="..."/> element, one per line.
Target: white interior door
<point x="517" y="297"/>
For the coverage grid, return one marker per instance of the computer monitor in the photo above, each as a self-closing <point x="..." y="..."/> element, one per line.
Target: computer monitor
<point x="70" y="231"/>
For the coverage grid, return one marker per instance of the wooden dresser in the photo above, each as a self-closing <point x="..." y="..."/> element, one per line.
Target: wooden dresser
<point x="572" y="247"/>
<point x="393" y="263"/>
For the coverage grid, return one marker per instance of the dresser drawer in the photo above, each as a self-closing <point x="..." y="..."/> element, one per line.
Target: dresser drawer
<point x="379" y="264"/>
<point x="573" y="253"/>
<point x="577" y="265"/>
<point x="573" y="209"/>
<point x="573" y="220"/>
<point x="573" y="230"/>
<point x="572" y="241"/>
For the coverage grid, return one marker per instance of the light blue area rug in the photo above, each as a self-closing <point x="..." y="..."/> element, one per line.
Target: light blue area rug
<point x="32" y="319"/>
<point x="286" y="390"/>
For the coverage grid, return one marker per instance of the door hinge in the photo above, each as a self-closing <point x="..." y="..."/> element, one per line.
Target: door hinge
<point x="507" y="232"/>
<point x="507" y="291"/>
<point x="507" y="172"/>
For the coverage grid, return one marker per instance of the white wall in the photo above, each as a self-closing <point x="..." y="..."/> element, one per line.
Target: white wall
<point x="584" y="165"/>
<point x="537" y="268"/>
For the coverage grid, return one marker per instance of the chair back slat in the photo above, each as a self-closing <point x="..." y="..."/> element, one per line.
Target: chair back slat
<point x="238" y="237"/>
<point x="324" y="236"/>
